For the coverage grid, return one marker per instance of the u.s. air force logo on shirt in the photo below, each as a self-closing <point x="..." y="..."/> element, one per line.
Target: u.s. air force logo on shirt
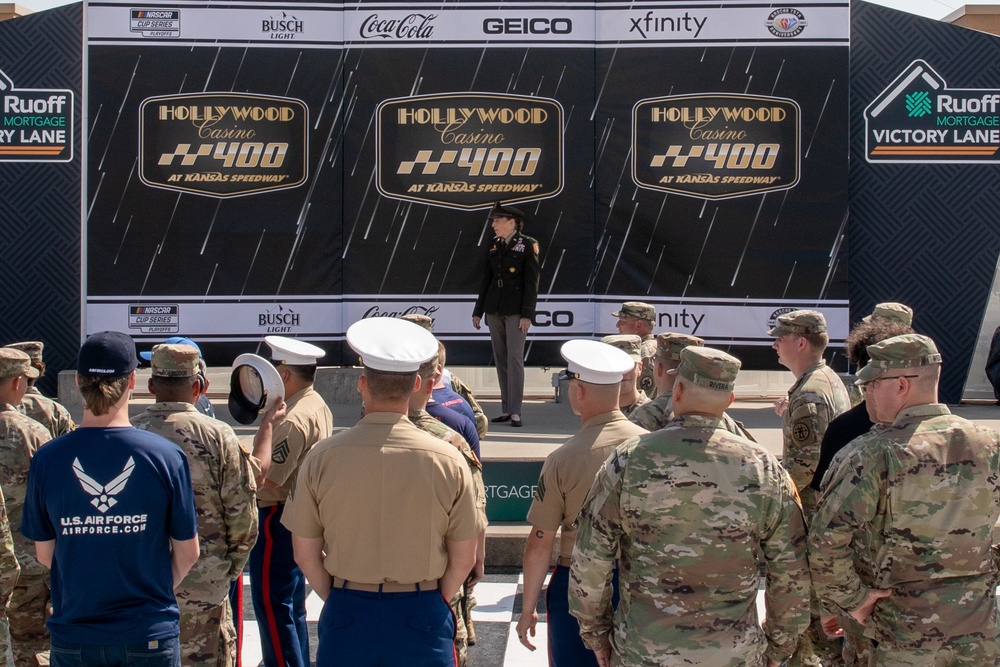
<point x="104" y="495"/>
<point x="279" y="454"/>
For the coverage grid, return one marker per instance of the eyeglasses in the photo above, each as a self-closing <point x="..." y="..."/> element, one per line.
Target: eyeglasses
<point x="871" y="383"/>
<point x="567" y="374"/>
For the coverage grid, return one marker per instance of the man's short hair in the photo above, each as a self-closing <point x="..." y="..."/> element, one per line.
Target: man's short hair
<point x="174" y="384"/>
<point x="817" y="341"/>
<point x="441" y="354"/>
<point x="428" y="369"/>
<point x="305" y="374"/>
<point x="389" y="386"/>
<point x="102" y="392"/>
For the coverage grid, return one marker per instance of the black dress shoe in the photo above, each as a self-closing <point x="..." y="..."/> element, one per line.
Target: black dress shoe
<point x="500" y="419"/>
<point x="515" y="422"/>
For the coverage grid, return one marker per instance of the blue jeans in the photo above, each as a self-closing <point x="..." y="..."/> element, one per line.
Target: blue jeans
<point x="165" y="653"/>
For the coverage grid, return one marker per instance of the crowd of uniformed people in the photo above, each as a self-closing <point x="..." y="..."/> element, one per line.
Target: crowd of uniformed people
<point x="123" y="541"/>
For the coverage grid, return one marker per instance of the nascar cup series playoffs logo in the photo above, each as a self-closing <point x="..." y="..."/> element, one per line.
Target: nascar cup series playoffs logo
<point x="223" y="144"/>
<point x="468" y="150"/>
<point x="716" y="145"/>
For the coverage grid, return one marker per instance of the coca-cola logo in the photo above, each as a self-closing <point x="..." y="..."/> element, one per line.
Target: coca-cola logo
<point x="412" y="26"/>
<point x="375" y="311"/>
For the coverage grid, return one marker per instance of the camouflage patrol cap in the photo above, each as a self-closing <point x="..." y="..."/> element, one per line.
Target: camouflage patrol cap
<point x="670" y="344"/>
<point x="628" y="343"/>
<point x="175" y="361"/>
<point x="890" y="310"/>
<point x="906" y="351"/>
<point x="638" y="310"/>
<point x="14" y="363"/>
<point x="708" y="367"/>
<point x="801" y="322"/>
<point x="420" y="320"/>
<point x="33" y="348"/>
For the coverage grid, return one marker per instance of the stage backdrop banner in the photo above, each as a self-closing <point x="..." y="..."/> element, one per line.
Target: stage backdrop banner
<point x="925" y="169"/>
<point x="41" y="76"/>
<point x="277" y="168"/>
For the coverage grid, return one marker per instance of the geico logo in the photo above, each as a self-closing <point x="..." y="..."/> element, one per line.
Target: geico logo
<point x="520" y="26"/>
<point x="555" y="318"/>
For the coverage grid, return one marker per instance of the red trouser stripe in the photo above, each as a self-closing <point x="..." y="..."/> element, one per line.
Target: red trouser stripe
<point x="272" y="625"/>
<point x="238" y="621"/>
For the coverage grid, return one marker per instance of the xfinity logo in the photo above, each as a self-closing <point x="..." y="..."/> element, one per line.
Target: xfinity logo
<point x="413" y="26"/>
<point x="653" y="23"/>
<point x="525" y="26"/>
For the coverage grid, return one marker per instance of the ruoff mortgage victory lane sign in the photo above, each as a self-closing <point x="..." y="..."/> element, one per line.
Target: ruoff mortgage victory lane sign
<point x="917" y="118"/>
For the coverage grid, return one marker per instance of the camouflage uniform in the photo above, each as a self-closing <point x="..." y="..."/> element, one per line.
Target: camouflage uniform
<point x="9" y="570"/>
<point x="912" y="507"/>
<point x="693" y="510"/>
<point x="30" y="602"/>
<point x="656" y="414"/>
<point x="223" y="479"/>
<point x="225" y="496"/>
<point x="47" y="412"/>
<point x="639" y="402"/>
<point x="426" y="423"/>
<point x="814" y="401"/>
<point x="648" y="353"/>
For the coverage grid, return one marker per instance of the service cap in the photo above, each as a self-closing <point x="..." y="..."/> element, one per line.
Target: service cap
<point x="169" y="360"/>
<point x="173" y="340"/>
<point x="292" y="351"/>
<point x="109" y="353"/>
<point x="502" y="211"/>
<point x="638" y="310"/>
<point x="254" y="387"/>
<point x="801" y="322"/>
<point x="906" y="351"/>
<point x="890" y="310"/>
<point x="420" y="320"/>
<point x="391" y="345"/>
<point x="628" y="343"/>
<point x="33" y="348"/>
<point x="670" y="344"/>
<point x="708" y="367"/>
<point x="594" y="362"/>
<point x="14" y="363"/>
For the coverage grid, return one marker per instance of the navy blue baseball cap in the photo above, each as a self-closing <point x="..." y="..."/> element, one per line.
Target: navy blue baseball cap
<point x="107" y="353"/>
<point x="173" y="340"/>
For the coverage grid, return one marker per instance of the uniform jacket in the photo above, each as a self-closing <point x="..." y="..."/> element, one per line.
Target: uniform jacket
<point x="510" y="278"/>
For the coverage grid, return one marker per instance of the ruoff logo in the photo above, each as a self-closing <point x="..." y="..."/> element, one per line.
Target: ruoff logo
<point x="36" y="124"/>
<point x="412" y="26"/>
<point x="284" y="27"/>
<point x="786" y="22"/>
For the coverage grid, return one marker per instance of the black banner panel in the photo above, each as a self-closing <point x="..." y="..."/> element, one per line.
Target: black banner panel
<point x="925" y="168"/>
<point x="279" y="168"/>
<point x="41" y="76"/>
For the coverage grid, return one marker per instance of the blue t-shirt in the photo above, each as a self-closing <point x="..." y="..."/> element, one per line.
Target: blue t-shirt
<point x="456" y="421"/>
<point x="447" y="397"/>
<point x="111" y="498"/>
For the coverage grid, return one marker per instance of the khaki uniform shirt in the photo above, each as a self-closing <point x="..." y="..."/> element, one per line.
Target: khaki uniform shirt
<point x="814" y="401"/>
<point x="47" y="412"/>
<point x="222" y="476"/>
<point x="307" y="420"/>
<point x="385" y="497"/>
<point x="428" y="424"/>
<point x="20" y="438"/>
<point x="912" y="507"/>
<point x="694" y="511"/>
<point x="568" y="473"/>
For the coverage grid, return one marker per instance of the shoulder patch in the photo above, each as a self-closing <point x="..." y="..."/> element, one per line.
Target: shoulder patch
<point x="279" y="454"/>
<point x="801" y="430"/>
